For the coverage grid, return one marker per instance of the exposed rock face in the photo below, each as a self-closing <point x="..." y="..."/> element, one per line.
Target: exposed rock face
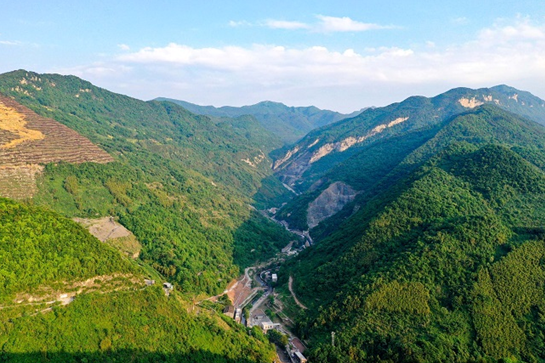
<point x="286" y="157"/>
<point x="470" y="103"/>
<point x="296" y="161"/>
<point x="256" y="160"/>
<point x="329" y="202"/>
<point x="350" y="141"/>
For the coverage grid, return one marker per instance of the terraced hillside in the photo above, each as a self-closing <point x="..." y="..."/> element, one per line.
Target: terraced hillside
<point x="28" y="141"/>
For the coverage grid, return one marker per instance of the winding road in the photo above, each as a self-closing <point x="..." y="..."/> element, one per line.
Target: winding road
<point x="293" y="294"/>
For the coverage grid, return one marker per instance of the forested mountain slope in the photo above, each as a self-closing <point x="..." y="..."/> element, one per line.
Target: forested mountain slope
<point x="180" y="182"/>
<point x="440" y="259"/>
<point x="66" y="297"/>
<point x="288" y="123"/>
<point x="40" y="249"/>
<point x="360" y="151"/>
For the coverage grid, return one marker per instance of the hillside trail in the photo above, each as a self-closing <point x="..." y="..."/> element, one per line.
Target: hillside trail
<point x="65" y="298"/>
<point x="293" y="294"/>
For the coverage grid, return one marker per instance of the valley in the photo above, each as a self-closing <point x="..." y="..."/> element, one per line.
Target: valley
<point x="406" y="233"/>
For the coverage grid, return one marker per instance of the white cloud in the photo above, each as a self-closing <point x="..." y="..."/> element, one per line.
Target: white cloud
<point x="290" y="25"/>
<point x="325" y="24"/>
<point x="123" y="47"/>
<point x="98" y="70"/>
<point x="521" y="31"/>
<point x="9" y="42"/>
<point x="236" y="24"/>
<point x="345" y="24"/>
<point x="347" y="79"/>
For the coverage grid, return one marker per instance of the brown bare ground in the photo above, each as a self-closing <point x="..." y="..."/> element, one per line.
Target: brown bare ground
<point x="240" y="292"/>
<point x="14" y="122"/>
<point x="290" y="286"/>
<point x="104" y="228"/>
<point x="108" y="230"/>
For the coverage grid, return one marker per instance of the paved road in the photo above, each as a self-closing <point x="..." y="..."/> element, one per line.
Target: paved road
<point x="259" y="302"/>
<point x="282" y="355"/>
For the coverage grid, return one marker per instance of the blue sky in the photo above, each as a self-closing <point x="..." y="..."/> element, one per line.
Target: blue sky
<point x="341" y="55"/>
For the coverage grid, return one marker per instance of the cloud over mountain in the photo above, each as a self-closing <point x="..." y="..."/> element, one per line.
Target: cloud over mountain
<point x="507" y="52"/>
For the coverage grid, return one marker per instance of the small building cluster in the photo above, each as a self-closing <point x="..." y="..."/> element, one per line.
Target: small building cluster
<point x="295" y="350"/>
<point x="264" y="322"/>
<point x="168" y="287"/>
<point x="299" y="357"/>
<point x="234" y="313"/>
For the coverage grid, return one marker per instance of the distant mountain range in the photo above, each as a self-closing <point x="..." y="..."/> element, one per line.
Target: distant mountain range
<point x="288" y="123"/>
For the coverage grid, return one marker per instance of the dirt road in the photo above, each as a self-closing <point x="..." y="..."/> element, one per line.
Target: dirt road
<point x="293" y="294"/>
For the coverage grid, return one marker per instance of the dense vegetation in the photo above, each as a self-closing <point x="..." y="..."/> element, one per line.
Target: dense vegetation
<point x="113" y="317"/>
<point x="39" y="248"/>
<point x="442" y="260"/>
<point x="181" y="183"/>
<point x="129" y="326"/>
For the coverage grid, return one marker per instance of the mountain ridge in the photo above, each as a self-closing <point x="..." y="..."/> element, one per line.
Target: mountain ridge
<point x="177" y="180"/>
<point x="336" y="153"/>
<point x="287" y="122"/>
<point x="336" y="142"/>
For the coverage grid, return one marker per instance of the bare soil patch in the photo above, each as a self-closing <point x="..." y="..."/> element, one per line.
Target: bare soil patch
<point x="107" y="230"/>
